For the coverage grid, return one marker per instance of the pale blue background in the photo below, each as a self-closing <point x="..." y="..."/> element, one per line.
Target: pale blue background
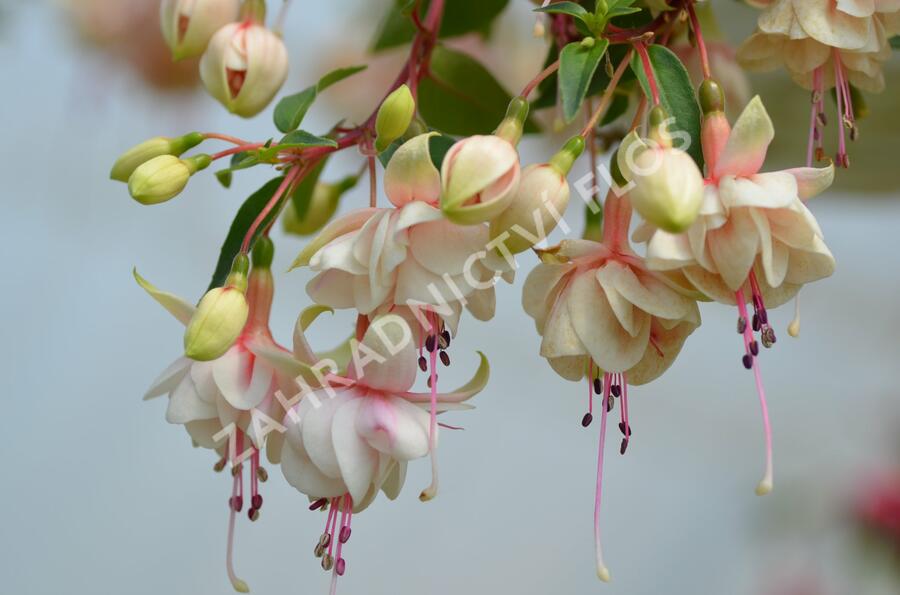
<point x="100" y="495"/>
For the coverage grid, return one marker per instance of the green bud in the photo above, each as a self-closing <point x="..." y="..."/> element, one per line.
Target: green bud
<point x="513" y="123"/>
<point x="263" y="252"/>
<point x="394" y="117"/>
<point x="711" y="97"/>
<point x="658" y="127"/>
<point x="321" y="208"/>
<point x="588" y="42"/>
<point x="216" y="324"/>
<point x="566" y="156"/>
<point x="163" y="177"/>
<point x="220" y="316"/>
<point x="131" y="159"/>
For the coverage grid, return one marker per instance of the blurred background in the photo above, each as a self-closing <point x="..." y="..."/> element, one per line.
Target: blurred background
<point x="100" y="495"/>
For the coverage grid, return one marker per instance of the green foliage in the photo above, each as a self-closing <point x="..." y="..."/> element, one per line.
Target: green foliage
<point x="298" y="139"/>
<point x="578" y="62"/>
<point x="239" y="161"/>
<point x="676" y="94"/>
<point x="301" y="197"/>
<point x="245" y="216"/>
<point x="460" y="17"/>
<point x="459" y="96"/>
<point x="290" y="110"/>
<point x="593" y="22"/>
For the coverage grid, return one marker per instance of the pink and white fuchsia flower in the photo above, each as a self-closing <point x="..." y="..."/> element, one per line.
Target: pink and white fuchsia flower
<point x="603" y="314"/>
<point x="379" y="260"/>
<point x="355" y="436"/>
<point x="229" y="404"/>
<point x="825" y="44"/>
<point x="755" y="240"/>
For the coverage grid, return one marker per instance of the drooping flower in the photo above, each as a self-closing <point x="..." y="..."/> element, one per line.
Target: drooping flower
<point x="825" y="44"/>
<point x="244" y="67"/>
<point x="603" y="314"/>
<point x="354" y="437"/>
<point x="230" y="404"/>
<point x="755" y="240"/>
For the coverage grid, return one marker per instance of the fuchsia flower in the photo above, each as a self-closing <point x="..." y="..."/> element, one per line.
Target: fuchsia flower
<point x="229" y="403"/>
<point x="603" y="314"/>
<point x="355" y="436"/>
<point x="755" y="240"/>
<point x="825" y="44"/>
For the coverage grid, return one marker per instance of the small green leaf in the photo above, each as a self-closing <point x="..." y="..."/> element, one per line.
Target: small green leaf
<point x="241" y="160"/>
<point x="676" y="94"/>
<point x="460" y="17"/>
<point x="459" y="96"/>
<point x="290" y="110"/>
<point x="298" y="139"/>
<point x="224" y="177"/>
<point x="438" y="147"/>
<point x="895" y="42"/>
<point x="245" y="216"/>
<point x="577" y="64"/>
<point x="573" y="9"/>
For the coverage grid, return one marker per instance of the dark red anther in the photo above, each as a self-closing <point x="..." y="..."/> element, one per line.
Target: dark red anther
<point x="429" y="343"/>
<point x="615" y="390"/>
<point x="445" y="358"/>
<point x="756" y="324"/>
<point x="252" y="513"/>
<point x="340" y="567"/>
<point x="747" y="361"/>
<point x="428" y="383"/>
<point x="423" y="363"/>
<point x="236" y="503"/>
<point x="586" y="420"/>
<point x="445" y="335"/>
<point x="256" y="501"/>
<point x="344" y="535"/>
<point x="741" y="325"/>
<point x="609" y="404"/>
<point x="754" y="348"/>
<point x="318" y="504"/>
<point x="626" y="430"/>
<point x="763" y="315"/>
<point x="598" y="386"/>
<point x="623" y="446"/>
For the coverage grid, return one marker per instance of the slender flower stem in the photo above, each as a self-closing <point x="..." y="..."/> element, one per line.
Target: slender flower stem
<point x="289" y="178"/>
<point x="539" y="79"/>
<point x="606" y="99"/>
<point x="225" y="137"/>
<point x="698" y="35"/>
<point x="602" y="570"/>
<point x="235" y="150"/>
<point x="648" y="70"/>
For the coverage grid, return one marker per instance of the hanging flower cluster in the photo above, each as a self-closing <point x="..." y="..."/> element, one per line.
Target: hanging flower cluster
<point x="343" y="424"/>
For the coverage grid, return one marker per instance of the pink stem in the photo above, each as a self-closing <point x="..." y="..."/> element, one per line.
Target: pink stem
<point x="602" y="571"/>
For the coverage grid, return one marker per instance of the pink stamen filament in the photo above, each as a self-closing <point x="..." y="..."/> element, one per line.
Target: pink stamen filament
<point x="602" y="570"/>
<point x="765" y="484"/>
<point x="431" y="491"/>
<point x="234" y="506"/>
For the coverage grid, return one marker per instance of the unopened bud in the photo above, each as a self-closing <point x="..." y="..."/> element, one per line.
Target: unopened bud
<point x="163" y="177"/>
<point x="513" y="124"/>
<point x="668" y="186"/>
<point x="244" y="67"/>
<point x="411" y="175"/>
<point x="220" y="316"/>
<point x="479" y="177"/>
<point x="711" y="97"/>
<point x="394" y="117"/>
<point x="137" y="155"/>
<point x="539" y="202"/>
<point x="188" y="25"/>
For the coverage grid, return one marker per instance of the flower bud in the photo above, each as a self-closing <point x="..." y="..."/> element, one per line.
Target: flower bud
<point x="411" y="175"/>
<point x="479" y="176"/>
<point x="188" y="25"/>
<point x="220" y="316"/>
<point x="244" y="67"/>
<point x="539" y="202"/>
<point x="323" y="203"/>
<point x="163" y="177"/>
<point x="394" y="117"/>
<point x="668" y="185"/>
<point x="131" y="159"/>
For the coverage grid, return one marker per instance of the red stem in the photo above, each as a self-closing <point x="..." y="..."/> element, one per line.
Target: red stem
<point x="282" y="189"/>
<point x="225" y="137"/>
<point x="648" y="70"/>
<point x="539" y="79"/>
<point x="698" y="35"/>
<point x="239" y="149"/>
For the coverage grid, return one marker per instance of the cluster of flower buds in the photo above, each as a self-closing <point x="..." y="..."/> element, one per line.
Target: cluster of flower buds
<point x="243" y="63"/>
<point x="154" y="171"/>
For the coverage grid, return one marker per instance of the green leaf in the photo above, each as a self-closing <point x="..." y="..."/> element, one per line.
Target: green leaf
<point x="577" y="64"/>
<point x="676" y="94"/>
<point x="573" y="9"/>
<point x="224" y="177"/>
<point x="290" y="110"/>
<point x="302" y="195"/>
<point x="459" y="96"/>
<point x="248" y="212"/>
<point x="895" y="42"/>
<point x="241" y="160"/>
<point x="460" y="17"/>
